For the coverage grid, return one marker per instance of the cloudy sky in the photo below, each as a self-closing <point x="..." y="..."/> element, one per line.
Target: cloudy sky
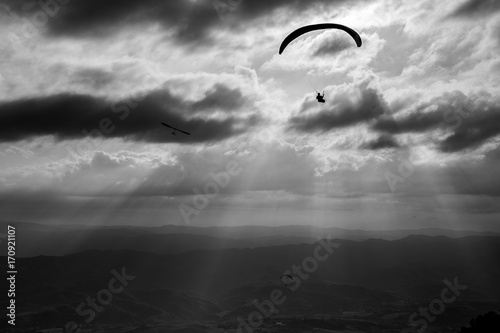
<point x="409" y="136"/>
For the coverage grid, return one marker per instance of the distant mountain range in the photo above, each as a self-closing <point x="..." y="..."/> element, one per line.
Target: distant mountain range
<point x="58" y="240"/>
<point x="375" y="279"/>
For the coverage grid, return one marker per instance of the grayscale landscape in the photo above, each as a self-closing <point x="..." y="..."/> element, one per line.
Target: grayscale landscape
<point x="240" y="166"/>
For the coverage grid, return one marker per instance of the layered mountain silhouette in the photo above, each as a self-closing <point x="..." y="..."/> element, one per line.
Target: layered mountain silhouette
<point x="367" y="285"/>
<point x="58" y="240"/>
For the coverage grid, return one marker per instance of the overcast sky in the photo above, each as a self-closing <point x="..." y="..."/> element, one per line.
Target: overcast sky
<point x="409" y="136"/>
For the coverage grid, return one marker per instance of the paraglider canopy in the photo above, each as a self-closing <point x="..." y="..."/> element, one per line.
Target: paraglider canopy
<point x="308" y="28"/>
<point x="321" y="26"/>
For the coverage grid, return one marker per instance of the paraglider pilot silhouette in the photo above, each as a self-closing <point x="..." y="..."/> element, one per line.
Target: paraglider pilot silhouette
<point x="321" y="98"/>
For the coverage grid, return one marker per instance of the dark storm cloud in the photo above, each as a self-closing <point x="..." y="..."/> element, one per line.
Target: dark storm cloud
<point x="68" y="116"/>
<point x="220" y="98"/>
<point x="473" y="132"/>
<point x="370" y="106"/>
<point x="332" y="47"/>
<point x="478" y="7"/>
<point x="441" y="112"/>
<point x="191" y="20"/>
<point x="472" y="120"/>
<point x="417" y="121"/>
<point x="383" y="141"/>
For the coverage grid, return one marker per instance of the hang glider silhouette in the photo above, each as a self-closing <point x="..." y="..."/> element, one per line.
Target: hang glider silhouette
<point x="175" y="129"/>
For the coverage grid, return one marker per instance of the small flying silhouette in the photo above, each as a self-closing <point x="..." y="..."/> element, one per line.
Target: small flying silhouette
<point x="286" y="275"/>
<point x="175" y="129"/>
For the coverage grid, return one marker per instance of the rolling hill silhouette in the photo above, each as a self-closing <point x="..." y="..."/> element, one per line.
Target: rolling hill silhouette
<point x="374" y="277"/>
